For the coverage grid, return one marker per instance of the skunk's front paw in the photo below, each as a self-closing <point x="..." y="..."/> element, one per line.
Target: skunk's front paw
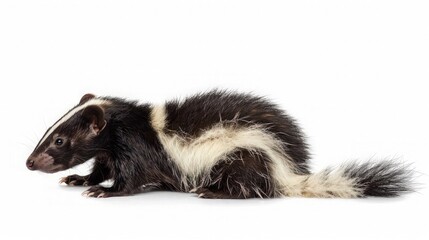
<point x="96" y="192"/>
<point x="74" y="180"/>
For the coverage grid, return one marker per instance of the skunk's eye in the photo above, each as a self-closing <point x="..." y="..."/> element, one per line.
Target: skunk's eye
<point x="59" y="141"/>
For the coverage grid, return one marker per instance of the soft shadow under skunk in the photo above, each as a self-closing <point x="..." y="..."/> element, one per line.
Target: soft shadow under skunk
<point x="218" y="145"/>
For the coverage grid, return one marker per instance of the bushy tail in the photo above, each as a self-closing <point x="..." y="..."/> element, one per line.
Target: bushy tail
<point x="379" y="179"/>
<point x="382" y="179"/>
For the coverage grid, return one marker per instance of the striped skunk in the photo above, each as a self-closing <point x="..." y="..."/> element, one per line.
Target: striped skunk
<point x="217" y="144"/>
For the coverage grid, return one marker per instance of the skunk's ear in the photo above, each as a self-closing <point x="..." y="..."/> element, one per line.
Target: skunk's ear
<point x="95" y="116"/>
<point x="85" y="98"/>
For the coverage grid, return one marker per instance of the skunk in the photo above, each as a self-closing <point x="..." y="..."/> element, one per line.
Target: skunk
<point x="218" y="144"/>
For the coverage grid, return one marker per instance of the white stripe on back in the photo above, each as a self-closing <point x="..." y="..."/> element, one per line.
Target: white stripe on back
<point x="197" y="156"/>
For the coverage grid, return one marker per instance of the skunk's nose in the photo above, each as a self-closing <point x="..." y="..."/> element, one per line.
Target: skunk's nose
<point x="30" y="164"/>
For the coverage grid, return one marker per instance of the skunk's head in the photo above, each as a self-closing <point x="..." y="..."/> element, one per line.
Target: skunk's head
<point x="72" y="140"/>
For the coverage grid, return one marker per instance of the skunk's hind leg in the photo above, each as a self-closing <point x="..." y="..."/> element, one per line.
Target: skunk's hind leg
<point x="242" y="174"/>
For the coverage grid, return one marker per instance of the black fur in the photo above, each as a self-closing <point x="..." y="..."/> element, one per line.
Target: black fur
<point x="131" y="141"/>
<point x="244" y="174"/>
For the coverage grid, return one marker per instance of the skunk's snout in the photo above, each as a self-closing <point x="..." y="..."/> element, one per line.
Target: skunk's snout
<point x="44" y="162"/>
<point x="30" y="164"/>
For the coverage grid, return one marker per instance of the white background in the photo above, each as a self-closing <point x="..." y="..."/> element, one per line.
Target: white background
<point x="353" y="73"/>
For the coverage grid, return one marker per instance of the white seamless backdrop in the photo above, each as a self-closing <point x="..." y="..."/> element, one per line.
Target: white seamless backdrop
<point x="353" y="73"/>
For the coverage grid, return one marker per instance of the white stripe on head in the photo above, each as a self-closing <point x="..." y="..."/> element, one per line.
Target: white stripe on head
<point x="94" y="101"/>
